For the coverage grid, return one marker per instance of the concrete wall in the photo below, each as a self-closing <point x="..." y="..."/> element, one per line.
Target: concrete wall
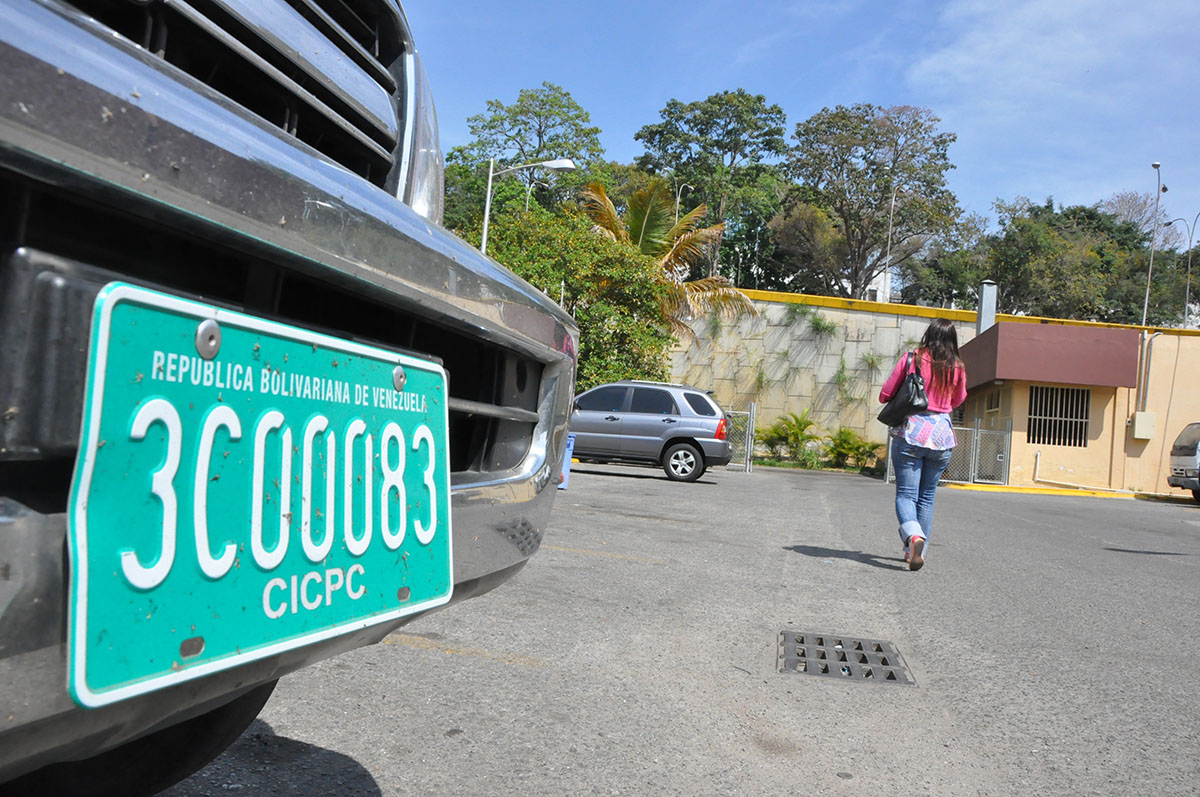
<point x="783" y="359"/>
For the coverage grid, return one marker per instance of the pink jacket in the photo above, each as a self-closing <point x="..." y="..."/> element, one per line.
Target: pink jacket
<point x="939" y="401"/>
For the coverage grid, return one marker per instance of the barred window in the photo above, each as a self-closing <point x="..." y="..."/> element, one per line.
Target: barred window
<point x="1058" y="416"/>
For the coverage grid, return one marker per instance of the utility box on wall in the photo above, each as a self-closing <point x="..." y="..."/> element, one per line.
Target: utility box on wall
<point x="1142" y="425"/>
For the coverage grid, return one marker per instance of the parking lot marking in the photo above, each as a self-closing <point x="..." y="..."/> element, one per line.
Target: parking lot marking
<point x="424" y="643"/>
<point x="603" y="553"/>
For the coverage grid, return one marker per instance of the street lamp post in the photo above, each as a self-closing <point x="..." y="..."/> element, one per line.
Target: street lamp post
<point x="529" y="190"/>
<point x="1187" y="291"/>
<point x="679" y="194"/>
<point x="887" y="258"/>
<point x="556" y="165"/>
<point x="1162" y="189"/>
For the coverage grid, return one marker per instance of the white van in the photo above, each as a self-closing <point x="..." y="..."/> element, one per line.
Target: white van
<point x="1185" y="460"/>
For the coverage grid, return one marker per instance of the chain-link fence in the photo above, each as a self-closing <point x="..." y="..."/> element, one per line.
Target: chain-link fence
<point x="959" y="469"/>
<point x="981" y="457"/>
<point x="991" y="456"/>
<point x="740" y="432"/>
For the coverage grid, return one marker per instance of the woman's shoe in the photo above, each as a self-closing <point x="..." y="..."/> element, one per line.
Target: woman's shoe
<point x="916" y="546"/>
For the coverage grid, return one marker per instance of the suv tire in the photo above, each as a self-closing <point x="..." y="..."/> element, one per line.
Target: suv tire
<point x="1196" y="496"/>
<point x="151" y="763"/>
<point x="683" y="462"/>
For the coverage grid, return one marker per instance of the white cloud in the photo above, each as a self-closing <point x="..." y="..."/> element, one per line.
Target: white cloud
<point x="1061" y="96"/>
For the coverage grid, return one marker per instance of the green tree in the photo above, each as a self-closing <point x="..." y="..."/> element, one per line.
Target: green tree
<point x="1076" y="262"/>
<point x="810" y="243"/>
<point x="1079" y="262"/>
<point x="854" y="161"/>
<point x="649" y="226"/>
<point x="721" y="147"/>
<point x="948" y="272"/>
<point x="614" y="292"/>
<point x="750" y="254"/>
<point x="542" y="124"/>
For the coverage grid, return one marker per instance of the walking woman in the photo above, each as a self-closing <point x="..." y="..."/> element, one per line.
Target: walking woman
<point x="922" y="445"/>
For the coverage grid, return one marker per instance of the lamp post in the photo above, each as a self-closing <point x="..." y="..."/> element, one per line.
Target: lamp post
<point x="1162" y="189"/>
<point x="887" y="258"/>
<point x="679" y="194"/>
<point x="1187" y="291"/>
<point x="556" y="165"/>
<point x="529" y="190"/>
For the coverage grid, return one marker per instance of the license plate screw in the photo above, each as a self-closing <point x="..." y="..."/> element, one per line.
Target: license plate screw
<point x="399" y="377"/>
<point x="208" y="339"/>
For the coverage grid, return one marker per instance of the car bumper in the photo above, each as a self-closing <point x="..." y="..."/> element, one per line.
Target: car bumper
<point x="110" y="125"/>
<point x="716" y="452"/>
<point x="1184" y="482"/>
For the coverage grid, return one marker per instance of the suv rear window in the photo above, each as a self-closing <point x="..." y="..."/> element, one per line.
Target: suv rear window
<point x="700" y="404"/>
<point x="654" y="401"/>
<point x="605" y="399"/>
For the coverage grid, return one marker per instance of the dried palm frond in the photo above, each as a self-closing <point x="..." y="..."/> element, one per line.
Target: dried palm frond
<point x="690" y="248"/>
<point x="600" y="209"/>
<point x="685" y="301"/>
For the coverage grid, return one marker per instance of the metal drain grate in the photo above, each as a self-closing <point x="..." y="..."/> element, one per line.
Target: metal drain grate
<point x="842" y="657"/>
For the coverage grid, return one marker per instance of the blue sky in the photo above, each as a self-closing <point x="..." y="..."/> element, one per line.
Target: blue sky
<point x="1065" y="98"/>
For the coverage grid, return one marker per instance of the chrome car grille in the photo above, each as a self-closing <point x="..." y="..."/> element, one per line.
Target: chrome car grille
<point x="332" y="76"/>
<point x="495" y="392"/>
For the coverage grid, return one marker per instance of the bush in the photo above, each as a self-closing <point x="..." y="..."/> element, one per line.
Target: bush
<point x="792" y="433"/>
<point x="773" y="437"/>
<point x="848" y="447"/>
<point x="810" y="457"/>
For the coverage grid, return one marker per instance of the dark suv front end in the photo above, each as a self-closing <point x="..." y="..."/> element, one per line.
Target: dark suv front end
<point x="268" y="160"/>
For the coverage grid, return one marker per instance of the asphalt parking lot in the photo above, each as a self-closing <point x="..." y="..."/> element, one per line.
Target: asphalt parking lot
<point x="1052" y="640"/>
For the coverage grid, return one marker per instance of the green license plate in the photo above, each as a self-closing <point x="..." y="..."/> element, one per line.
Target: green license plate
<point x="244" y="488"/>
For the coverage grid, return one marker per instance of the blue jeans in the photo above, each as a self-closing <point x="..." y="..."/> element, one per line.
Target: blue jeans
<point x="917" y="473"/>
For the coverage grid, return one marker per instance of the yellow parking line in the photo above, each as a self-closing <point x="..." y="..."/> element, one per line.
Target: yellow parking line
<point x="604" y="553"/>
<point x="425" y="643"/>
<point x="1001" y="488"/>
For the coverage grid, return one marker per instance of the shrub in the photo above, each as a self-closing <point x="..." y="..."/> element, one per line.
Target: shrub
<point x="848" y="447"/>
<point x="791" y="432"/>
<point x="810" y="457"/>
<point x="773" y="437"/>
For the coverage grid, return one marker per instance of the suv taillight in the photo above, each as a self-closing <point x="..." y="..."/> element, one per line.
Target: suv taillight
<point x="721" y="430"/>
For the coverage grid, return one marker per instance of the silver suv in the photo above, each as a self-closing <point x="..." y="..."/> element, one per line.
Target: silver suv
<point x="677" y="427"/>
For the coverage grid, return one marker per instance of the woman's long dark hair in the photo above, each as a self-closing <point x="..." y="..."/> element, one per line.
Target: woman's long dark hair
<point x="940" y="341"/>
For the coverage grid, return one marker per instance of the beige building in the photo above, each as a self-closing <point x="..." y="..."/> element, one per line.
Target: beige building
<point x="1089" y="405"/>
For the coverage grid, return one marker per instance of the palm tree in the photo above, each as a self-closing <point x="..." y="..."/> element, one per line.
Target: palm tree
<point x="649" y="226"/>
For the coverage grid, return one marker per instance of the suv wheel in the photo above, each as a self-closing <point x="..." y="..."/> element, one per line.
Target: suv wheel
<point x="151" y="763"/>
<point x="683" y="462"/>
<point x="1196" y="496"/>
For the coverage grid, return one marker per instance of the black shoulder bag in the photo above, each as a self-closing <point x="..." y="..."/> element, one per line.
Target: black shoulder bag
<point x="909" y="399"/>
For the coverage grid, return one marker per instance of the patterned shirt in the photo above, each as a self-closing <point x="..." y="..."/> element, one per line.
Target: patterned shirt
<point x="931" y="430"/>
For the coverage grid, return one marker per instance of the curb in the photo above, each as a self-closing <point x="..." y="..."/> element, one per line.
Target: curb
<point x="1166" y="498"/>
